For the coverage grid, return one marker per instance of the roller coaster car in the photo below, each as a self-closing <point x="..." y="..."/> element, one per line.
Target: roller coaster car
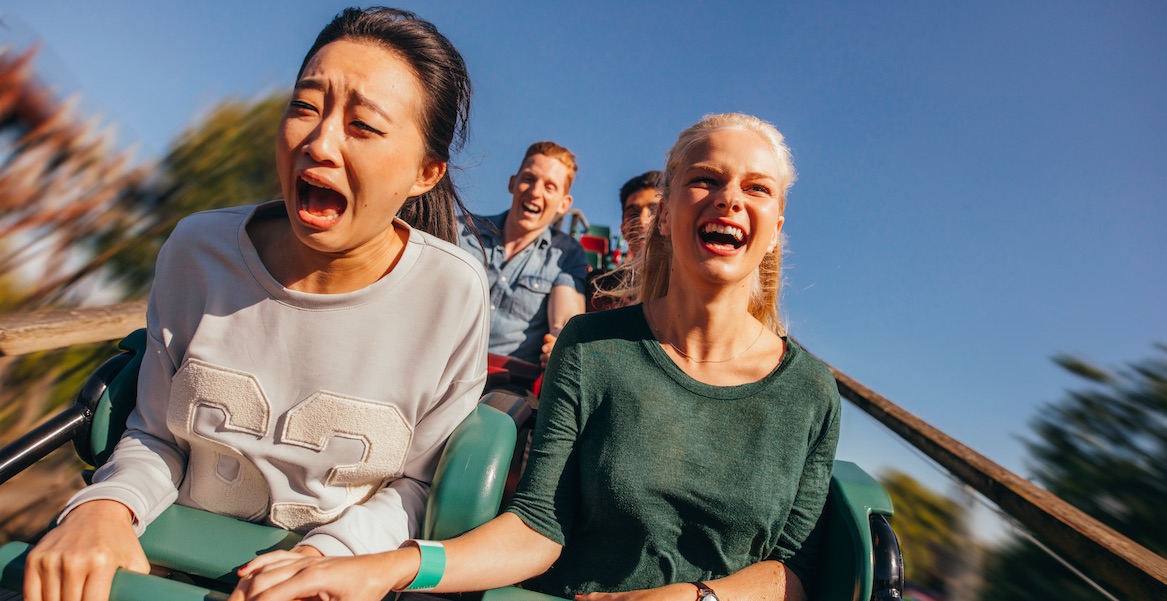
<point x="201" y="550"/>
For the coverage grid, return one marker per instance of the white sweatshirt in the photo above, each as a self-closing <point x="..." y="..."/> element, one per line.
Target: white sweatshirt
<point x="320" y="413"/>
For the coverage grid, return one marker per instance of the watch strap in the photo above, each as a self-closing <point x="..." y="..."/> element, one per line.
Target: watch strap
<point x="704" y="591"/>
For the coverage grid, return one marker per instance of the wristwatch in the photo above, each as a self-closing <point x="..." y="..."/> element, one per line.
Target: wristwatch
<point x="704" y="593"/>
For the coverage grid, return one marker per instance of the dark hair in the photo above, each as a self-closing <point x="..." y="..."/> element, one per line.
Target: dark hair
<point x="445" y="84"/>
<point x="648" y="179"/>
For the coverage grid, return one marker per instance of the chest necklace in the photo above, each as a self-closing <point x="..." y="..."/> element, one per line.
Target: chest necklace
<point x="656" y="332"/>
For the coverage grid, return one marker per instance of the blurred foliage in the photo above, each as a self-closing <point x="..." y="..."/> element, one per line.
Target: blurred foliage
<point x="228" y="159"/>
<point x="225" y="160"/>
<point x="78" y="216"/>
<point x="42" y="382"/>
<point x="1104" y="449"/>
<point x="930" y="528"/>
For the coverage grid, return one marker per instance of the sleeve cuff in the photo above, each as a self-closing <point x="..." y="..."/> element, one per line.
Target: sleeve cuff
<point x="109" y="493"/>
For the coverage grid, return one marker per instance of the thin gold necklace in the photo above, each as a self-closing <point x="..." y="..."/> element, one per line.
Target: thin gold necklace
<point x="656" y="332"/>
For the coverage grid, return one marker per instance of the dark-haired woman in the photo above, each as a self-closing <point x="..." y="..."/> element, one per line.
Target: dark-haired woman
<point x="307" y="358"/>
<point x="684" y="445"/>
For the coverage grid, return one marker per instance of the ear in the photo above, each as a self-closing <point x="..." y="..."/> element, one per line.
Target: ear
<point x="432" y="171"/>
<point x="511" y="185"/>
<point x="662" y="219"/>
<point x="777" y="234"/>
<point x="565" y="205"/>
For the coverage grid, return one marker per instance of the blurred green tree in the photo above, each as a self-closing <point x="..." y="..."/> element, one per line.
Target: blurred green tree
<point x="226" y="159"/>
<point x="76" y="209"/>
<point x="929" y="526"/>
<point x="1104" y="449"/>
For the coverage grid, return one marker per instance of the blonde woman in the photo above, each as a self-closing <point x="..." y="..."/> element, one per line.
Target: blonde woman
<point x="684" y="445"/>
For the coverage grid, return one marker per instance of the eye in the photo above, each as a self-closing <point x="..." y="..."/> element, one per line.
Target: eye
<point x="703" y="181"/>
<point x="361" y="125"/>
<point x="301" y="105"/>
<point x="758" y="189"/>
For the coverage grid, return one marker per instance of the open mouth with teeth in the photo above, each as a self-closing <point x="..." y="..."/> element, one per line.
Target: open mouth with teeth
<point x="317" y="204"/>
<point x="722" y="237"/>
<point x="531" y="208"/>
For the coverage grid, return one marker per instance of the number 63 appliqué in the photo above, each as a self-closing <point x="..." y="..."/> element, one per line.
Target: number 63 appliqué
<point x="222" y="480"/>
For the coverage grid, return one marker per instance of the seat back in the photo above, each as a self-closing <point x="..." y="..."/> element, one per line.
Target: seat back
<point x="471" y="475"/>
<point x="847" y="558"/>
<point x="111" y="392"/>
<point x="594" y="243"/>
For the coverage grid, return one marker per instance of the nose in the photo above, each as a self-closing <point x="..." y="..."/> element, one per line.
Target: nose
<point x="323" y="144"/>
<point x="730" y="199"/>
<point x="646" y="214"/>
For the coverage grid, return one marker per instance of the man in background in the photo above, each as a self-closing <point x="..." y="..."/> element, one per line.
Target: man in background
<point x="639" y="198"/>
<point x="536" y="273"/>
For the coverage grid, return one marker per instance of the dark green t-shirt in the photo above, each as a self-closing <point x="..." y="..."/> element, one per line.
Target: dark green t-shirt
<point x="649" y="477"/>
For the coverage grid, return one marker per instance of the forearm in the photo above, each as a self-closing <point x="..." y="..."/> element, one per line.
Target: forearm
<point x="762" y="581"/>
<point x="501" y="552"/>
<point x="563" y="303"/>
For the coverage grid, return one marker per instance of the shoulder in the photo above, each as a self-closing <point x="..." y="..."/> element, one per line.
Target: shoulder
<point x="469" y="222"/>
<point x="474" y="230"/>
<point x="811" y="374"/>
<point x="564" y="242"/>
<point x="567" y="253"/>
<point x="216" y="232"/>
<point x="442" y="261"/>
<point x="625" y="323"/>
<point x="203" y="224"/>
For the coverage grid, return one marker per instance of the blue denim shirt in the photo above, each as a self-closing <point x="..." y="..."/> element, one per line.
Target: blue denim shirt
<point x="519" y="287"/>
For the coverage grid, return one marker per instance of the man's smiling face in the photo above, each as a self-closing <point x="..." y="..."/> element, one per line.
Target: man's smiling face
<point x="539" y="192"/>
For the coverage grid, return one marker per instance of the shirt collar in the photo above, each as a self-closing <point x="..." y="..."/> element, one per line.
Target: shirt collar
<point x="499" y="221"/>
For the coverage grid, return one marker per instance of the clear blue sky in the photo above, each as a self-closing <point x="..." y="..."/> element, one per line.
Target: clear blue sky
<point x="981" y="186"/>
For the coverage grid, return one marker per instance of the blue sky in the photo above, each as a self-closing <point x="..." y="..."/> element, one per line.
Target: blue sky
<point x="981" y="185"/>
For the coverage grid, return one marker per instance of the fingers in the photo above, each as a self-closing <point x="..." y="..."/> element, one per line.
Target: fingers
<point x="75" y="574"/>
<point x="266" y="560"/>
<point x="68" y="576"/>
<point x="136" y="562"/>
<point x="32" y="581"/>
<point x="548" y="344"/>
<point x="274" y="581"/>
<point x="97" y="586"/>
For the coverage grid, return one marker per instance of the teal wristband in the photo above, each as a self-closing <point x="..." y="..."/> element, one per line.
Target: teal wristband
<point x="433" y="565"/>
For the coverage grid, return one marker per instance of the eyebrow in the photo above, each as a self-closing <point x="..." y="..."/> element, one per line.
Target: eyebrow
<point x="355" y="98"/>
<point x="750" y="175"/>
<point x="310" y="83"/>
<point x="360" y="99"/>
